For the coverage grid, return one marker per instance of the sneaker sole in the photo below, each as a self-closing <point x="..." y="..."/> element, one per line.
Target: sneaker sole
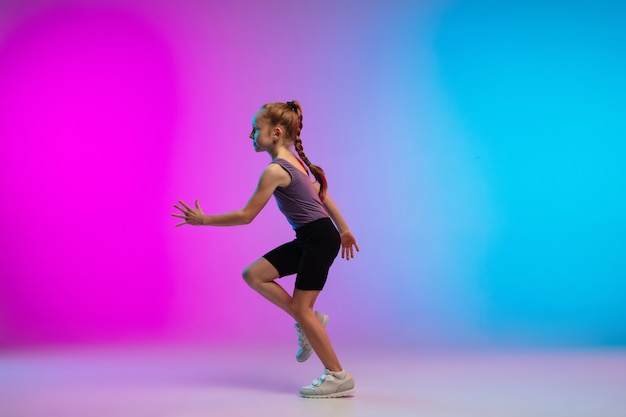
<point x="304" y="357"/>
<point x="341" y="394"/>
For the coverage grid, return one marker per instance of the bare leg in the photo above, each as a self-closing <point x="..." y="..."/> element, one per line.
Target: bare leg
<point x="302" y="306"/>
<point x="260" y="276"/>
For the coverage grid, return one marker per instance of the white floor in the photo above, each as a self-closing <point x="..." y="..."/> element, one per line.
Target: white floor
<point x="245" y="381"/>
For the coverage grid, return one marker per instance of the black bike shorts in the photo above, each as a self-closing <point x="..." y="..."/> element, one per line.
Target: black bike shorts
<point x="309" y="256"/>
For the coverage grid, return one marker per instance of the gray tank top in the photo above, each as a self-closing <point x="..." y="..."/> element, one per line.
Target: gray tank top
<point x="298" y="201"/>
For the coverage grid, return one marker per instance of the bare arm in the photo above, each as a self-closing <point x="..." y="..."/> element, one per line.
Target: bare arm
<point x="348" y="241"/>
<point x="272" y="177"/>
<point x="335" y="214"/>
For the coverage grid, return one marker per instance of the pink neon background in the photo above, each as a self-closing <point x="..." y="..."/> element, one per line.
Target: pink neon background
<point x="89" y="104"/>
<point x="112" y="111"/>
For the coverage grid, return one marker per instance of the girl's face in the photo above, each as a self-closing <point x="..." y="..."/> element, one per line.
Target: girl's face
<point x="261" y="134"/>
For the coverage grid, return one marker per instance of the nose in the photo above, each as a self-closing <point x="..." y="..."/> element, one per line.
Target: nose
<point x="251" y="135"/>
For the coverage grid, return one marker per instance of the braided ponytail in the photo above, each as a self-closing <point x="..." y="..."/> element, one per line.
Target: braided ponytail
<point x="283" y="114"/>
<point x="316" y="170"/>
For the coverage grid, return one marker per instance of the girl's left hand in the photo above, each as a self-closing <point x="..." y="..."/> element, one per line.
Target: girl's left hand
<point x="192" y="216"/>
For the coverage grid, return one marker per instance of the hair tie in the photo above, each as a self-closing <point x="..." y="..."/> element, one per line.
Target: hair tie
<point x="292" y="106"/>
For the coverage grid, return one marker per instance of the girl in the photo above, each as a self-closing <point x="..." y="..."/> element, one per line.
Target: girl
<point x="309" y="209"/>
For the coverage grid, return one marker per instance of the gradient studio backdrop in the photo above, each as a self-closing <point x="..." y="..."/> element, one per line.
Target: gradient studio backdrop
<point x="477" y="149"/>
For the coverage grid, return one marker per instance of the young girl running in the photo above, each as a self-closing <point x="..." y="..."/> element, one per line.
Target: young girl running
<point x="309" y="209"/>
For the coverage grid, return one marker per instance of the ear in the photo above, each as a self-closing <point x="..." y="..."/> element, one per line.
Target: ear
<point x="277" y="132"/>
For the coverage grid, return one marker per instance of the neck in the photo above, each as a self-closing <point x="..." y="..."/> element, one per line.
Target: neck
<point x="278" y="152"/>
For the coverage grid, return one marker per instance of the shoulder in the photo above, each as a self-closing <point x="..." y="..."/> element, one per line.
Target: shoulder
<point x="276" y="175"/>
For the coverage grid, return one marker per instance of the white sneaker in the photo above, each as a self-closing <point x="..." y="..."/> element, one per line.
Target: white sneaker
<point x="305" y="347"/>
<point x="330" y="385"/>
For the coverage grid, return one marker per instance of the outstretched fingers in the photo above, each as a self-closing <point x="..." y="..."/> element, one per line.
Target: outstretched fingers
<point x="185" y="212"/>
<point x="185" y="205"/>
<point x="191" y="216"/>
<point x="180" y="216"/>
<point x="184" y="209"/>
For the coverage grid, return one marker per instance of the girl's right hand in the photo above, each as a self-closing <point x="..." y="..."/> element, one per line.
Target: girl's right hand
<point x="348" y="243"/>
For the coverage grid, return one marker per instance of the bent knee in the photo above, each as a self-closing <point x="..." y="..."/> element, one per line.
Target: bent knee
<point x="248" y="275"/>
<point x="259" y="272"/>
